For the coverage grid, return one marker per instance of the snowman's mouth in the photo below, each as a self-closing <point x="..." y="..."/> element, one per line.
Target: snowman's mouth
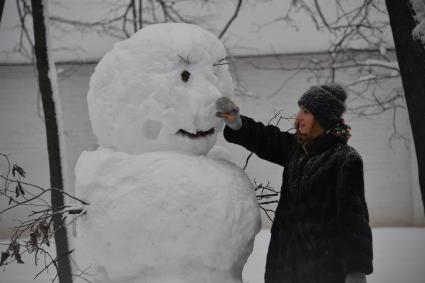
<point x="198" y="134"/>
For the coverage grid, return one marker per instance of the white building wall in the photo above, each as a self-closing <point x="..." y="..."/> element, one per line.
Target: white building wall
<point x="392" y="188"/>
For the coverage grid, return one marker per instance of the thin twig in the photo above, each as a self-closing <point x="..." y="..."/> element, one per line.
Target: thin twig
<point x="234" y="16"/>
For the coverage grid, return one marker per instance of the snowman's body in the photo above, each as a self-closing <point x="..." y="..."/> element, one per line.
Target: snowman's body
<point x="160" y="210"/>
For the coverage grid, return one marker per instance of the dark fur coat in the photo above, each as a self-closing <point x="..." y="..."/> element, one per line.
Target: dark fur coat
<point x="321" y="228"/>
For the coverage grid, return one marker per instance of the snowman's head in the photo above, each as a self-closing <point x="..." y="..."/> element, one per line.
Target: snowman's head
<point x="157" y="90"/>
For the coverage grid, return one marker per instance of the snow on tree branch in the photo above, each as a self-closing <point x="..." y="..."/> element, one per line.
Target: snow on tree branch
<point x="419" y="10"/>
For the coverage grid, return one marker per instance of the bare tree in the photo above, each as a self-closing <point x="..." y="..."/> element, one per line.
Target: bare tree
<point x="358" y="46"/>
<point x="411" y="58"/>
<point x="267" y="196"/>
<point x="350" y="24"/>
<point x="234" y="16"/>
<point x="34" y="234"/>
<point x="364" y="23"/>
<point x="127" y="17"/>
<point x="51" y="104"/>
<point x="120" y="21"/>
<point x="1" y="8"/>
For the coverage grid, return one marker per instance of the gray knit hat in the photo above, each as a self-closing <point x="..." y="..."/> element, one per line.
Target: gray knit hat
<point x="326" y="102"/>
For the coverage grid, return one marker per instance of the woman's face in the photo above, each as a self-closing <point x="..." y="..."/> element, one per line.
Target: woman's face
<point x="306" y="124"/>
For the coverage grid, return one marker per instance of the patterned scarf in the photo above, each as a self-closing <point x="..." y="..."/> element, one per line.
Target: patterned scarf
<point x="341" y="130"/>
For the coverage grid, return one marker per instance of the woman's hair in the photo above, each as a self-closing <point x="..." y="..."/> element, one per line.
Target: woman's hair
<point x="301" y="138"/>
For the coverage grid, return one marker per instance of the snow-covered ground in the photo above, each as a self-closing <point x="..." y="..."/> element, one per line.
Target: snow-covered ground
<point x="399" y="257"/>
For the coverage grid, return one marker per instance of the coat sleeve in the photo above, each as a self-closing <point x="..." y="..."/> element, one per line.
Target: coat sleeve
<point x="267" y="142"/>
<point x="355" y="235"/>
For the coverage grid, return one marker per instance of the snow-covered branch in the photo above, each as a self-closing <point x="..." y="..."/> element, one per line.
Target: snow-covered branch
<point x="419" y="11"/>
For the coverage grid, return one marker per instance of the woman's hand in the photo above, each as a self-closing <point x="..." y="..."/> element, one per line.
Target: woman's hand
<point x="229" y="112"/>
<point x="355" y="277"/>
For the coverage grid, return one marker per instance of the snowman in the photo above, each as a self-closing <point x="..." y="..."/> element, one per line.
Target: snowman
<point x="161" y="209"/>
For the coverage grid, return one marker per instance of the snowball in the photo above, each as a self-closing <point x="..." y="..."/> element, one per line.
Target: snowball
<point x="139" y="100"/>
<point x="165" y="217"/>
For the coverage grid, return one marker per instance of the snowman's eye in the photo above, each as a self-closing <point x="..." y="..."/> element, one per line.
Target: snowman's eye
<point x="185" y="76"/>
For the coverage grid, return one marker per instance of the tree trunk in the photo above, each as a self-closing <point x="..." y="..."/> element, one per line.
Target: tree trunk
<point x="411" y="60"/>
<point x="1" y="8"/>
<point x="53" y="139"/>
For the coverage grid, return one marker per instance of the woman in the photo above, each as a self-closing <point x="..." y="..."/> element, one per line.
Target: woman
<point x="321" y="230"/>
